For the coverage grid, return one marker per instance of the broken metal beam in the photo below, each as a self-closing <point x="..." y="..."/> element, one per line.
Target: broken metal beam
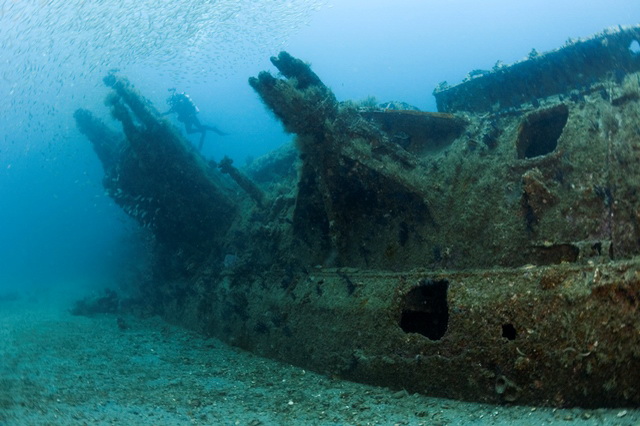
<point x="155" y="175"/>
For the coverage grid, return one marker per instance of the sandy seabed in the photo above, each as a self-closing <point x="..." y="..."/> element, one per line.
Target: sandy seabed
<point x="59" y="369"/>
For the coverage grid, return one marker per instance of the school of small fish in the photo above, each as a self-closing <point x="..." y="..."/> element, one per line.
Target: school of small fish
<point x="51" y="50"/>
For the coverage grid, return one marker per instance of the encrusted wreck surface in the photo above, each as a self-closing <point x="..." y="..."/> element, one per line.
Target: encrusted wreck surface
<point x="569" y="71"/>
<point x="487" y="255"/>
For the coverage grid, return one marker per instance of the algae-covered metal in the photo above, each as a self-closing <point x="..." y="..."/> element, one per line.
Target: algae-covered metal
<point x="486" y="254"/>
<point x="566" y="71"/>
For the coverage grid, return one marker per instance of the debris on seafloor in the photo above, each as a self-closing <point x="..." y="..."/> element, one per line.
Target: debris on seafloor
<point x="107" y="303"/>
<point x="487" y="252"/>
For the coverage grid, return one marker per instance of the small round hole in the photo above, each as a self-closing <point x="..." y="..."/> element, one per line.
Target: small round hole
<point x="634" y="47"/>
<point x="509" y="331"/>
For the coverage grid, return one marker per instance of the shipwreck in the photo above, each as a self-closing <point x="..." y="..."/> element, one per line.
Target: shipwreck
<point x="487" y="252"/>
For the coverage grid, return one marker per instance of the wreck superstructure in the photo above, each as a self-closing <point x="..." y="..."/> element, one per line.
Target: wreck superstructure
<point x="486" y="252"/>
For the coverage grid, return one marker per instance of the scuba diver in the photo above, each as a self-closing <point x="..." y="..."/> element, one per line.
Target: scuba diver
<point x="182" y="105"/>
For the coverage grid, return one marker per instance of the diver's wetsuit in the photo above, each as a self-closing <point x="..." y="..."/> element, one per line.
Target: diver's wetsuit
<point x="182" y="105"/>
